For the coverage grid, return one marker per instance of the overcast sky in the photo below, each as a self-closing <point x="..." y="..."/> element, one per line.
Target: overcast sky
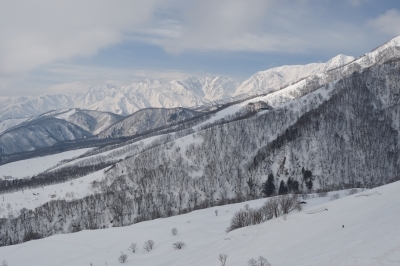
<point x="68" y="45"/>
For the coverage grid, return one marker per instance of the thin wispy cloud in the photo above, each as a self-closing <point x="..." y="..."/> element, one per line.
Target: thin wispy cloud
<point x="387" y="23"/>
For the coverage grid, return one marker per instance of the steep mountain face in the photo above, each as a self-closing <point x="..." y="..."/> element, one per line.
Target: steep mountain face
<point x="210" y="88"/>
<point x="146" y="120"/>
<point x="39" y="134"/>
<point x="352" y="139"/>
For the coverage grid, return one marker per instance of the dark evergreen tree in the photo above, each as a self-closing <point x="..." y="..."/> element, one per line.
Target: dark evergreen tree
<point x="283" y="188"/>
<point x="308" y="179"/>
<point x="269" y="186"/>
<point x="292" y="185"/>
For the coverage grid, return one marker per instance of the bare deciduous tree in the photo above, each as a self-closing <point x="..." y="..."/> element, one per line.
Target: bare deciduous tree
<point x="216" y="212"/>
<point x="174" y="231"/>
<point x="260" y="262"/>
<point x="263" y="261"/>
<point x="133" y="247"/>
<point x="148" y="245"/>
<point x="252" y="262"/>
<point x="222" y="258"/>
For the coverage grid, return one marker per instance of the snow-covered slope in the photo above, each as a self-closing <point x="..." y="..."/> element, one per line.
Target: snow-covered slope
<point x="147" y="119"/>
<point x="275" y="78"/>
<point x="30" y="167"/>
<point x="311" y="237"/>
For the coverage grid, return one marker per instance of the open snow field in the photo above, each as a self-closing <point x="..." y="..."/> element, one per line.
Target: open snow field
<point x="37" y="165"/>
<point x="12" y="203"/>
<point x="313" y="236"/>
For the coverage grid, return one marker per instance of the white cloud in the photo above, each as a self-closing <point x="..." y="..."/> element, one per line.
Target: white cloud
<point x="43" y="34"/>
<point x="388" y="23"/>
<point x="34" y="33"/>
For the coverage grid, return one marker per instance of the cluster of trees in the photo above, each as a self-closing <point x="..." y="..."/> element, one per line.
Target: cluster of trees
<point x="273" y="207"/>
<point x="52" y="177"/>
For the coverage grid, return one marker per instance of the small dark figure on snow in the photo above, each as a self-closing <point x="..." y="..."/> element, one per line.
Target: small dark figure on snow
<point x="342" y="226"/>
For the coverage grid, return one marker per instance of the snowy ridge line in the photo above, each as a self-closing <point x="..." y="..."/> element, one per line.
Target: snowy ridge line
<point x="238" y="98"/>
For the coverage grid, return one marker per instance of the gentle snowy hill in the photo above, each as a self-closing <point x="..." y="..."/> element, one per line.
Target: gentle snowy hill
<point x="38" y="134"/>
<point x="91" y="121"/>
<point x="30" y="167"/>
<point x="313" y="236"/>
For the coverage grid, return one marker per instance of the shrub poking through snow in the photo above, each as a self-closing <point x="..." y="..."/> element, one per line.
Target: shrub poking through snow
<point x="352" y="191"/>
<point x="335" y="196"/>
<point x="122" y="258"/>
<point x="178" y="245"/>
<point x="174" y="231"/>
<point x="148" y="245"/>
<point x="322" y="193"/>
<point x="133" y="247"/>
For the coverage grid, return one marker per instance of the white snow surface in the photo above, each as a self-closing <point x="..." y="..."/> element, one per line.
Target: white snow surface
<point x="33" y="198"/>
<point x="370" y="237"/>
<point x="9" y="123"/>
<point x="37" y="165"/>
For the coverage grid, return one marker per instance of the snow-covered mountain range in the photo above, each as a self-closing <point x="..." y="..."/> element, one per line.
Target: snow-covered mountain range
<point x="188" y="92"/>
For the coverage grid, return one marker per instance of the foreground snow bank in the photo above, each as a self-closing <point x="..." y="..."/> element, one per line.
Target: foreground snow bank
<point x="370" y="237"/>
